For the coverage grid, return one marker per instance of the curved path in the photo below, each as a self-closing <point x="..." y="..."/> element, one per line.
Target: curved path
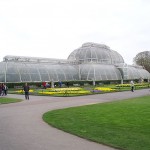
<point x="22" y="127"/>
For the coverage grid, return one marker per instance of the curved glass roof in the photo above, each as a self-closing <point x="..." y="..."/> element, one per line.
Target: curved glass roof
<point x="130" y="72"/>
<point x="98" y="53"/>
<point x="90" y="62"/>
<point x="137" y="73"/>
<point x="36" y="72"/>
<point x="99" y="72"/>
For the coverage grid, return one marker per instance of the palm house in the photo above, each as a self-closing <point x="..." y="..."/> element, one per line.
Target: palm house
<point x="90" y="62"/>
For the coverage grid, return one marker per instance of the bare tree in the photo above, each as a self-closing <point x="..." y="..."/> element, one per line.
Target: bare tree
<point x="143" y="59"/>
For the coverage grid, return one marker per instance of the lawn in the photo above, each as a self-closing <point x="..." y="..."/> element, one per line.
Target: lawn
<point x="5" y="100"/>
<point x="121" y="124"/>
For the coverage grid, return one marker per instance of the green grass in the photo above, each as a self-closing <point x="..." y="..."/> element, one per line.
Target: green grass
<point x="121" y="124"/>
<point x="4" y="100"/>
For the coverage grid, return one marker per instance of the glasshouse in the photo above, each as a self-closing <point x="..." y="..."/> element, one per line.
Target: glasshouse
<point x="90" y="62"/>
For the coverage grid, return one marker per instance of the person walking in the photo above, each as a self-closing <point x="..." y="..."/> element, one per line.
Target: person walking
<point x="26" y="89"/>
<point x="60" y="84"/>
<point x="132" y="86"/>
<point x="4" y="89"/>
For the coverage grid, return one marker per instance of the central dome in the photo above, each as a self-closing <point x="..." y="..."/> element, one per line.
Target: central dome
<point x="98" y="53"/>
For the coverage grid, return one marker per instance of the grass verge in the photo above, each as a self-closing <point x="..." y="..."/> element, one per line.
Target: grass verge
<point x="121" y="124"/>
<point x="4" y="100"/>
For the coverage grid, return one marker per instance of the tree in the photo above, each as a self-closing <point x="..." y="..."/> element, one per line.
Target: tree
<point x="143" y="59"/>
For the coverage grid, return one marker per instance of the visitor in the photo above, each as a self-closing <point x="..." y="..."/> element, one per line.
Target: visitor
<point x="60" y="84"/>
<point x="2" y="89"/>
<point x="132" y="86"/>
<point x="26" y="89"/>
<point x="5" y="89"/>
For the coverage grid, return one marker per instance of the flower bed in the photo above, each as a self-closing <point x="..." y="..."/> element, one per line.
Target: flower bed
<point x="64" y="92"/>
<point x="64" y="89"/>
<point x="136" y="84"/>
<point x="105" y="89"/>
<point x="22" y="91"/>
<point x="57" y="91"/>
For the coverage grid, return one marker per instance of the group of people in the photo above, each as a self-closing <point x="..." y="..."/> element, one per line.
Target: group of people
<point x="3" y="89"/>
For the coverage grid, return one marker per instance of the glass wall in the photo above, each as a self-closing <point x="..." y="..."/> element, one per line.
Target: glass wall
<point x="89" y="62"/>
<point x="92" y="52"/>
<point x="99" y="72"/>
<point x="36" y="72"/>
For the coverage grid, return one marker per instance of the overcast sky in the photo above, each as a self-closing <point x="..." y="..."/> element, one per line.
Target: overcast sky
<point x="54" y="28"/>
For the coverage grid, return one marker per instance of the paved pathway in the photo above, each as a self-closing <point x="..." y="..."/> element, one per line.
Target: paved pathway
<point x="22" y="127"/>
